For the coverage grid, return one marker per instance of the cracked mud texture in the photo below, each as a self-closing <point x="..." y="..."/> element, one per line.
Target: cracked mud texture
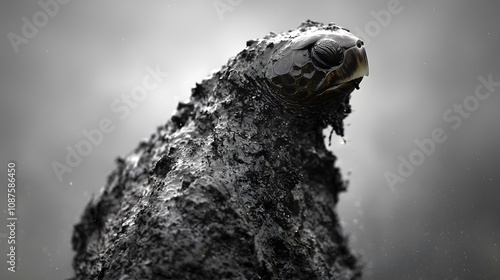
<point x="237" y="184"/>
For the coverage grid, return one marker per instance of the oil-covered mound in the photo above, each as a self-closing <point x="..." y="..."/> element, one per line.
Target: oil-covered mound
<point x="238" y="183"/>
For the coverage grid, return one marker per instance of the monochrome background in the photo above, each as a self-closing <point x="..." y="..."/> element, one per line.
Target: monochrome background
<point x="442" y="222"/>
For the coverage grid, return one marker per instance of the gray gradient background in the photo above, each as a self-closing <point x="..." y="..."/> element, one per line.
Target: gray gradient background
<point x="441" y="223"/>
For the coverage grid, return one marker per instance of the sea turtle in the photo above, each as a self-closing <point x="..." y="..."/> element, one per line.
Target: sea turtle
<point x="238" y="184"/>
<point x="316" y="65"/>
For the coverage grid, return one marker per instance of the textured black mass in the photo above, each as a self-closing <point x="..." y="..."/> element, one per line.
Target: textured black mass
<point x="236" y="185"/>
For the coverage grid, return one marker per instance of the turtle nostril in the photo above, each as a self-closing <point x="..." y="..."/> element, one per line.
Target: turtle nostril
<point x="359" y="43"/>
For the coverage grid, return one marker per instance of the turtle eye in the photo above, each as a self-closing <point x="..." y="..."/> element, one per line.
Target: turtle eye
<point x="326" y="53"/>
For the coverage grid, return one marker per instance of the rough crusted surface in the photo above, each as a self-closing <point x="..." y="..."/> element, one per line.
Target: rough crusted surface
<point x="235" y="186"/>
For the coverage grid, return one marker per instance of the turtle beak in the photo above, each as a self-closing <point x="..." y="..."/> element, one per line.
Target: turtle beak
<point x="350" y="72"/>
<point x="355" y="64"/>
<point x="361" y="60"/>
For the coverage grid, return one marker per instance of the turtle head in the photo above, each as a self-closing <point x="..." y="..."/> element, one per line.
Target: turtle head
<point x="315" y="63"/>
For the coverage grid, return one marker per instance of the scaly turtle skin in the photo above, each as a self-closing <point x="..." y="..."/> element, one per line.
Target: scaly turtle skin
<point x="317" y="64"/>
<point x="307" y="67"/>
<point x="307" y="73"/>
<point x="238" y="184"/>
